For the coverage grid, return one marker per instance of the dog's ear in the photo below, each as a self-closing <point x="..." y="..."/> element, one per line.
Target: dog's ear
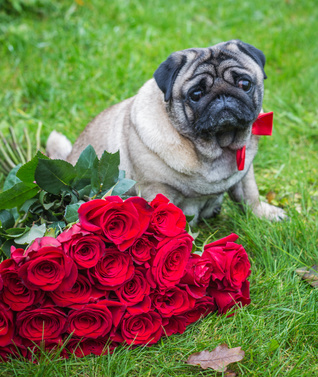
<point x="253" y="52"/>
<point x="167" y="72"/>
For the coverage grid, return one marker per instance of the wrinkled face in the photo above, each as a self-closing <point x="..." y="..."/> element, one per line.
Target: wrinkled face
<point x="216" y="93"/>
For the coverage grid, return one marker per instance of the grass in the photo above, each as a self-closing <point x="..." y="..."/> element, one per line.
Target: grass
<point x="63" y="62"/>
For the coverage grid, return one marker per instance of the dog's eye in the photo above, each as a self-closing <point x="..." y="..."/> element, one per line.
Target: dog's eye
<point x="245" y="85"/>
<point x="196" y="95"/>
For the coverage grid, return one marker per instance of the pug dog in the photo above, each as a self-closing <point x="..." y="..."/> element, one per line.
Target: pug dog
<point x="179" y="135"/>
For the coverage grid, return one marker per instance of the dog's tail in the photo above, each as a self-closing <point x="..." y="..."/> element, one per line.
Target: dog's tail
<point x="58" y="146"/>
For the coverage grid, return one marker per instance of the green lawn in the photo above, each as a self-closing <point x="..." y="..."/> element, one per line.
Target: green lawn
<point x="63" y="62"/>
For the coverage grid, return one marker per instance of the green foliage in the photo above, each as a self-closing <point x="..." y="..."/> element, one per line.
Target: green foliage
<point x="43" y="195"/>
<point x="15" y="151"/>
<point x="18" y="6"/>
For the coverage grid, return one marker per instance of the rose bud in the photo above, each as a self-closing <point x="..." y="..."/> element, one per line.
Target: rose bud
<point x="121" y="222"/>
<point x="142" y="249"/>
<point x="82" y="246"/>
<point x="174" y="325"/>
<point x="170" y="260"/>
<point x="197" y="275"/>
<point x="135" y="290"/>
<point x="225" y="299"/>
<point x="47" y="268"/>
<point x="203" y="306"/>
<point x="41" y="323"/>
<point x="167" y="220"/>
<point x="113" y="270"/>
<point x="173" y="301"/>
<point x="81" y="347"/>
<point x="231" y="266"/>
<point x="145" y="328"/>
<point x="6" y="326"/>
<point x="95" y="320"/>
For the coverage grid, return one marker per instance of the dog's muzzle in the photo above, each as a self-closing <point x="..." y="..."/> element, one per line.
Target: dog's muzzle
<point x="224" y="119"/>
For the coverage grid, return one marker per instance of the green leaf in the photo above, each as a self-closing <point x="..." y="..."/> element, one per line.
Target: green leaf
<point x="121" y="175"/>
<point x="27" y="205"/>
<point x="71" y="214"/>
<point x="84" y="167"/>
<point x="194" y="235"/>
<point x="108" y="169"/>
<point x="189" y="218"/>
<point x="6" y="247"/>
<point x="35" y="232"/>
<point x="54" y="176"/>
<point x="95" y="180"/>
<point x="85" y="191"/>
<point x="123" y="186"/>
<point x="16" y="232"/>
<point x="27" y="171"/>
<point x="273" y="345"/>
<point x="57" y="227"/>
<point x="6" y="219"/>
<point x="12" y="178"/>
<point x="17" y="195"/>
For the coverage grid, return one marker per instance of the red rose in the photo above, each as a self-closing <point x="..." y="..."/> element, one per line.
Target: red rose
<point x="51" y="346"/>
<point x="217" y="257"/>
<point x="15" y="293"/>
<point x="174" y="325"/>
<point x="20" y="255"/>
<point x="82" y="347"/>
<point x="169" y="263"/>
<point x="141" y="307"/>
<point x="113" y="270"/>
<point x="142" y="249"/>
<point x="167" y="220"/>
<point x="238" y="267"/>
<point x="38" y="243"/>
<point x="173" y="302"/>
<point x="135" y="290"/>
<point x="121" y="222"/>
<point x="95" y="320"/>
<point x="225" y="300"/>
<point x="145" y="328"/>
<point x="231" y="266"/>
<point x="6" y="326"/>
<point x="202" y="307"/>
<point x="12" y="351"/>
<point x="197" y="275"/>
<point x="47" y="268"/>
<point x="82" y="246"/>
<point x="42" y="323"/>
<point x="79" y="295"/>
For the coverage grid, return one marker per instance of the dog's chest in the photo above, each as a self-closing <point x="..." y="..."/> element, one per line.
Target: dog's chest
<point x="219" y="175"/>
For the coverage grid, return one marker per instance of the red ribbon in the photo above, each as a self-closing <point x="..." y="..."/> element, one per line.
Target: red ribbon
<point x="263" y="126"/>
<point x="240" y="158"/>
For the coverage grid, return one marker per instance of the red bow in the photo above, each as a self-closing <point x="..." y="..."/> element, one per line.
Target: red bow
<point x="262" y="126"/>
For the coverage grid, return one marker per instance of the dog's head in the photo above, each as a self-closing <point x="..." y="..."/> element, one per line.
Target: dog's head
<point x="214" y="93"/>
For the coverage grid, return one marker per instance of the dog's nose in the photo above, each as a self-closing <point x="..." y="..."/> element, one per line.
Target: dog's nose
<point x="223" y="100"/>
<point x="220" y="98"/>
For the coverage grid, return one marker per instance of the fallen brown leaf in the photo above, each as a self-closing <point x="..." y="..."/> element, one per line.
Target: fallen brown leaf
<point x="218" y="359"/>
<point x="309" y="274"/>
<point x="270" y="196"/>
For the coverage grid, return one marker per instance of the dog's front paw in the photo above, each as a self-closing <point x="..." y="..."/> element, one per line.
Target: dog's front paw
<point x="269" y="212"/>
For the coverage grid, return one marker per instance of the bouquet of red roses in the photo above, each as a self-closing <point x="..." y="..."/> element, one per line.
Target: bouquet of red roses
<point x="124" y="273"/>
